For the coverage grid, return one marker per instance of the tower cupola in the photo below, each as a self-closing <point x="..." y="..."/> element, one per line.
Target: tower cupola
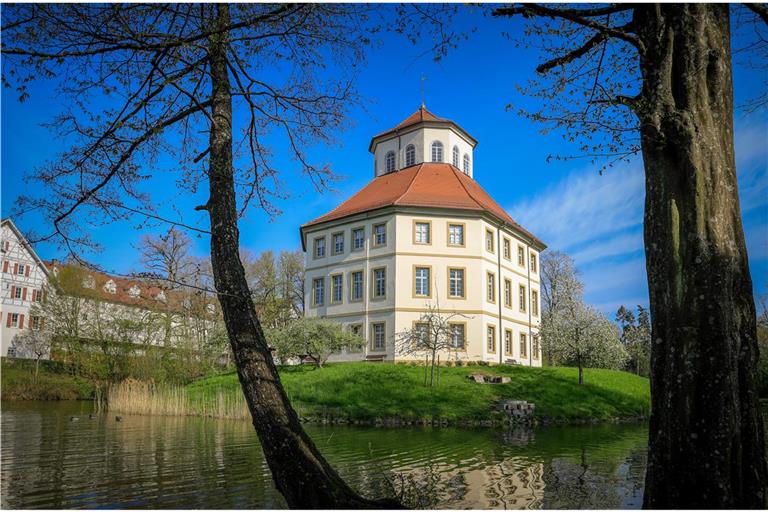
<point x="423" y="137"/>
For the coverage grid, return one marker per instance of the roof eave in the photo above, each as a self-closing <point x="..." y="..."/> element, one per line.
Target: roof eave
<point x="428" y="123"/>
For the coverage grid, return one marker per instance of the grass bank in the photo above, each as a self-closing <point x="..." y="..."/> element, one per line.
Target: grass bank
<point x="366" y="392"/>
<point x="19" y="383"/>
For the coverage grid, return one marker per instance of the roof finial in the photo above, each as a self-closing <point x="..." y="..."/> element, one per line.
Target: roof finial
<point x="423" y="79"/>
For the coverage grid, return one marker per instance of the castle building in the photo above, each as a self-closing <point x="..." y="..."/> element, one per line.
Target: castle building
<point x="424" y="233"/>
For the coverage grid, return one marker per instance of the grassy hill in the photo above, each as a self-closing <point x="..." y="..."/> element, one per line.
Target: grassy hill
<point x="366" y="391"/>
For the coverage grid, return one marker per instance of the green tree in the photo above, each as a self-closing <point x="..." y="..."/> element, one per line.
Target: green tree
<point x="656" y="79"/>
<point x="313" y="338"/>
<point x="636" y="338"/>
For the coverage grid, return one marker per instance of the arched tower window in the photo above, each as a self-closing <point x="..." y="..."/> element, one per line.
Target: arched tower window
<point x="390" y="159"/>
<point x="437" y="151"/>
<point x="466" y="164"/>
<point x="410" y="155"/>
<point x="456" y="156"/>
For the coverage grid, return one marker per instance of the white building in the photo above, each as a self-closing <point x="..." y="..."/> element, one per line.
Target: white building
<point x="21" y="283"/>
<point x="424" y="232"/>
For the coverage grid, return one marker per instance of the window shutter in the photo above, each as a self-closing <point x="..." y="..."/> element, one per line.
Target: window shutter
<point x="26" y="271"/>
<point x="24" y="294"/>
<point x="5" y="267"/>
<point x="15" y="268"/>
<point x="13" y="292"/>
<point x="8" y="319"/>
<point x="21" y="321"/>
<point x="34" y="294"/>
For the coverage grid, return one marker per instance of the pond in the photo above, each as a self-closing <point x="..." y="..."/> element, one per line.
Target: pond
<point x="49" y="461"/>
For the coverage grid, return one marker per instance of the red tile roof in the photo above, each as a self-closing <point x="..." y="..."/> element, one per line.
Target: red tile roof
<point x="420" y="116"/>
<point x="433" y="185"/>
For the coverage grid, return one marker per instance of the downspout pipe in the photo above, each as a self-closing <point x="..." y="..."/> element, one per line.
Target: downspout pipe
<point x="498" y="294"/>
<point x="528" y="306"/>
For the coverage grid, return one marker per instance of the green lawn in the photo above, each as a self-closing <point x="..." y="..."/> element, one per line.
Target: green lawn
<point x="20" y="384"/>
<point x="366" y="391"/>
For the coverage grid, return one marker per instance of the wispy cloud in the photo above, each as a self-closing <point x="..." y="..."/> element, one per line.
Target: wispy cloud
<point x="597" y="219"/>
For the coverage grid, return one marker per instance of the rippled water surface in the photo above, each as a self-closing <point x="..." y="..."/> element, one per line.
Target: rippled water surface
<point x="49" y="461"/>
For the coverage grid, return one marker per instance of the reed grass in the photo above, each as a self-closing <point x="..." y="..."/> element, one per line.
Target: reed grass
<point x="148" y="398"/>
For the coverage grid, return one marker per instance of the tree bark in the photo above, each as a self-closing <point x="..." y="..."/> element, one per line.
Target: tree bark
<point x="706" y="447"/>
<point x="300" y="472"/>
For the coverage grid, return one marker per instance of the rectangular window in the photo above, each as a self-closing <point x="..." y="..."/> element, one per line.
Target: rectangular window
<point x="507" y="249"/>
<point x="523" y="345"/>
<point x="39" y="296"/>
<point x="523" y="299"/>
<point x="357" y="330"/>
<point x="422" y="333"/>
<point x="489" y="240"/>
<point x="356" y="286"/>
<point x="508" y="293"/>
<point x="421" y="233"/>
<point x="456" y="234"/>
<point x="379" y="235"/>
<point x="520" y="256"/>
<point x="421" y="282"/>
<point x="338" y="243"/>
<point x="379" y="283"/>
<point x="491" y="287"/>
<point x="535" y="348"/>
<point x="490" y="338"/>
<point x="319" y="251"/>
<point x="34" y="323"/>
<point x="17" y="293"/>
<point x="534" y="264"/>
<point x="535" y="302"/>
<point x="21" y="269"/>
<point x="458" y="336"/>
<point x="337" y="282"/>
<point x="378" y="336"/>
<point x="508" y="342"/>
<point x="358" y="239"/>
<point x="318" y="291"/>
<point x="456" y="283"/>
<point x="14" y="320"/>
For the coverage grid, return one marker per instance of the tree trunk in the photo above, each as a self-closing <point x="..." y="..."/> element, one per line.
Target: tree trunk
<point x="581" y="372"/>
<point x="706" y="447"/>
<point x="300" y="472"/>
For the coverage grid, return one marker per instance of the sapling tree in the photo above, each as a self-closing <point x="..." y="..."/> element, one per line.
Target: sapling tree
<point x="434" y="333"/>
<point x="313" y="338"/>
<point x="208" y="86"/>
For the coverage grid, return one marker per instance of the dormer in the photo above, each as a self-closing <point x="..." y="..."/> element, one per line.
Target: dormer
<point x="134" y="291"/>
<point x="423" y="137"/>
<point x="160" y="296"/>
<point x="89" y="282"/>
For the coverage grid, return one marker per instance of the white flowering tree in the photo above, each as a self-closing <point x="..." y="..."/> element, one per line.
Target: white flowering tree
<point x="580" y="335"/>
<point x="32" y="344"/>
<point x="313" y="338"/>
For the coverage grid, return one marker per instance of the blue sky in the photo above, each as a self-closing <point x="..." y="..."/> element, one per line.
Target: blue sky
<point x="597" y="219"/>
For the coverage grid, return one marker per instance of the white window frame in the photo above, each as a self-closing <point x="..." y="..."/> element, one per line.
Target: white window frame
<point x="337" y="297"/>
<point x="466" y="164"/>
<point x="316" y="289"/>
<point x="375" y="346"/>
<point x="379" y="278"/>
<point x="437" y="151"/>
<point x="410" y="155"/>
<point x="338" y="248"/>
<point x="319" y="246"/>
<point x="353" y="297"/>
<point x="461" y="235"/>
<point x="376" y="235"/>
<point x="422" y="236"/>
<point x="456" y="156"/>
<point x="355" y="239"/>
<point x="421" y="283"/>
<point x="457" y="283"/>
<point x="389" y="160"/>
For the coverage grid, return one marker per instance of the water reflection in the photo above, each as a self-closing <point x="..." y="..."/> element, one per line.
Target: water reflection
<point x="49" y="461"/>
